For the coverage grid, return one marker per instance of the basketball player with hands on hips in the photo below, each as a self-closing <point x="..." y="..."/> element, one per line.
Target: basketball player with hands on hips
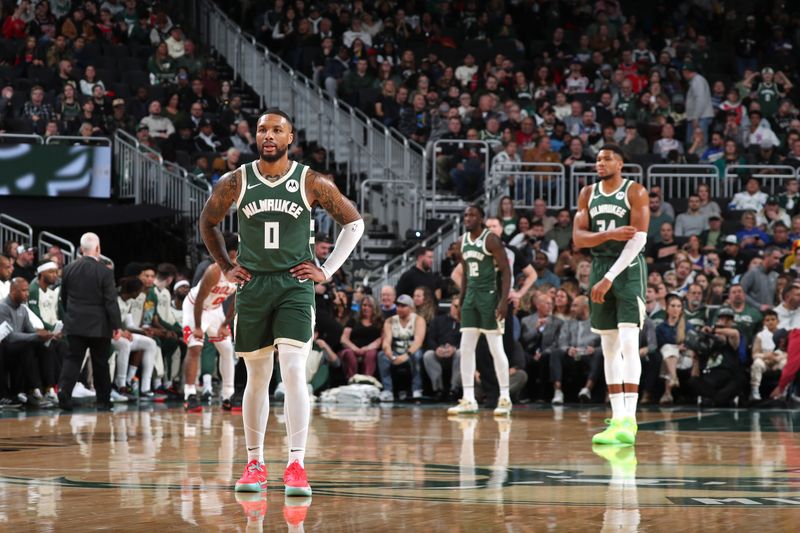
<point x="484" y="303"/>
<point x="275" y="271"/>
<point x="612" y="219"/>
<point x="203" y="314"/>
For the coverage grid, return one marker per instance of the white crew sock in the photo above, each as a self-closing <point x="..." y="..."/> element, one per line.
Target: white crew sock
<point x="495" y="342"/>
<point x="296" y="405"/>
<point x="469" y="340"/>
<point x="631" y="399"/>
<point x="206" y="381"/>
<point x="255" y="405"/>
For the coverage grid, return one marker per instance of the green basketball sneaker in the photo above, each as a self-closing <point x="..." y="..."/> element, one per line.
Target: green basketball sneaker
<point x="610" y="435"/>
<point x="627" y="431"/>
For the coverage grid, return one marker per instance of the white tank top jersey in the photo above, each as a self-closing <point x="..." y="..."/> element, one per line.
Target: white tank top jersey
<point x="219" y="293"/>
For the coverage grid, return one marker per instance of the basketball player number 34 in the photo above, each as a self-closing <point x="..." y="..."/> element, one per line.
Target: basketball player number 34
<point x="271" y="233"/>
<point x="601" y="224"/>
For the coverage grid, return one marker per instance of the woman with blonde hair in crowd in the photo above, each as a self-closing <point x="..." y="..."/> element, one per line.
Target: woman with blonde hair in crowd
<point x="670" y="336"/>
<point x="361" y="340"/>
<point x="508" y="217"/>
<point x="425" y="303"/>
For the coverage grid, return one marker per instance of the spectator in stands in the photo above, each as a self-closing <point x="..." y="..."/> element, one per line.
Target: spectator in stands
<point x="230" y="117"/>
<point x="759" y="283"/>
<point x="403" y="339"/>
<point x="14" y="25"/>
<point x="633" y="145"/>
<point x="539" y="335"/>
<point x="540" y="243"/>
<point x="751" y="237"/>
<point x="388" y="297"/>
<point x="442" y="341"/>
<point x="424" y="303"/>
<point x="37" y="111"/>
<point x="730" y="157"/>
<point x="667" y="143"/>
<point x="789" y="199"/>
<point x="789" y="310"/>
<point x="176" y="42"/>
<point x="699" y="112"/>
<point x="335" y="69"/>
<point x="707" y="206"/>
<point x="663" y="249"/>
<point x="361" y="340"/>
<point x="160" y="127"/>
<point x="68" y="107"/>
<point x="415" y="121"/>
<point x="693" y="221"/>
<point x="544" y="275"/>
<point x="746" y="316"/>
<point x="715" y="377"/>
<point x="772" y="214"/>
<point x="196" y="116"/>
<point x="666" y="207"/>
<point x="161" y="66"/>
<point x="671" y="334"/>
<point x="576" y="344"/>
<point x="420" y="275"/>
<point x="89" y="81"/>
<point x="767" y="354"/>
<point x="759" y="132"/>
<point x="24" y="266"/>
<point x="561" y="233"/>
<point x="658" y="217"/>
<point x="206" y="140"/>
<point x="243" y="140"/>
<point x="144" y="139"/>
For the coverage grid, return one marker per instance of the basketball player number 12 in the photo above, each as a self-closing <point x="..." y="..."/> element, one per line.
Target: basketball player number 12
<point x="271" y="233"/>
<point x="602" y="225"/>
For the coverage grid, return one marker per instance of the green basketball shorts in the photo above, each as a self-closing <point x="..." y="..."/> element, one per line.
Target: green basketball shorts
<point x="624" y="301"/>
<point x="273" y="309"/>
<point x="478" y="311"/>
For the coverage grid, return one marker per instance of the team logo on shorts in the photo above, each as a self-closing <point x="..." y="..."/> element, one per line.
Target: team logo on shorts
<point x="620" y="195"/>
<point x="292" y="185"/>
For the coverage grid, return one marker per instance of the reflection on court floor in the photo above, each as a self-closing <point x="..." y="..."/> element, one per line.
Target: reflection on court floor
<point x="403" y="467"/>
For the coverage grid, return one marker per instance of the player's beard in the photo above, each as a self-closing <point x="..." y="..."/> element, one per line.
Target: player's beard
<point x="605" y="176"/>
<point x="279" y="153"/>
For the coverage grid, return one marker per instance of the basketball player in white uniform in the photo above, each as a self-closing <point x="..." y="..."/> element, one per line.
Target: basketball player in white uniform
<point x="203" y="315"/>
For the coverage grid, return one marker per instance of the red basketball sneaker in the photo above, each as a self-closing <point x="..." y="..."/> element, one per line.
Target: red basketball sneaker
<point x="254" y="478"/>
<point x="296" y="481"/>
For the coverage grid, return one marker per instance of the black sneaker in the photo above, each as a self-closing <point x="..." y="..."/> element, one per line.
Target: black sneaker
<point x="8" y="403"/>
<point x="226" y="404"/>
<point x="192" y="404"/>
<point x="206" y="396"/>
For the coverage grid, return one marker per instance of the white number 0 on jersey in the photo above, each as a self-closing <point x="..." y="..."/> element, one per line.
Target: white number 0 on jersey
<point x="271" y="235"/>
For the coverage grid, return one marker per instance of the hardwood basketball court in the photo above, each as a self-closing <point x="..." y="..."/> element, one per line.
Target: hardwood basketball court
<point x="402" y="468"/>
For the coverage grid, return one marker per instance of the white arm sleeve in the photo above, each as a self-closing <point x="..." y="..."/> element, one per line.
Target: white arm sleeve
<point x="345" y="244"/>
<point x="632" y="248"/>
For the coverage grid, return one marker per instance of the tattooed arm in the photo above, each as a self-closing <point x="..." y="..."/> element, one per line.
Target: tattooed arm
<point x="225" y="193"/>
<point x="322" y="190"/>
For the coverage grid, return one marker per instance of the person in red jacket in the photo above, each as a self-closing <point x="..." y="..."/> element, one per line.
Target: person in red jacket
<point x="14" y="26"/>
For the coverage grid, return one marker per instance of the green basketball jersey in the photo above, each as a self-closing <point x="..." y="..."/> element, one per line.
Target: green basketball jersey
<point x="481" y="270"/>
<point x="608" y="212"/>
<point x="276" y="231"/>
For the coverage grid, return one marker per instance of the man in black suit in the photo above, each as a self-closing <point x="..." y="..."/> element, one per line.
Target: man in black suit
<point x="91" y="320"/>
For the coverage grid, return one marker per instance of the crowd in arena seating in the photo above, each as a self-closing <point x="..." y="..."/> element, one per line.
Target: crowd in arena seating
<point x="708" y="83"/>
